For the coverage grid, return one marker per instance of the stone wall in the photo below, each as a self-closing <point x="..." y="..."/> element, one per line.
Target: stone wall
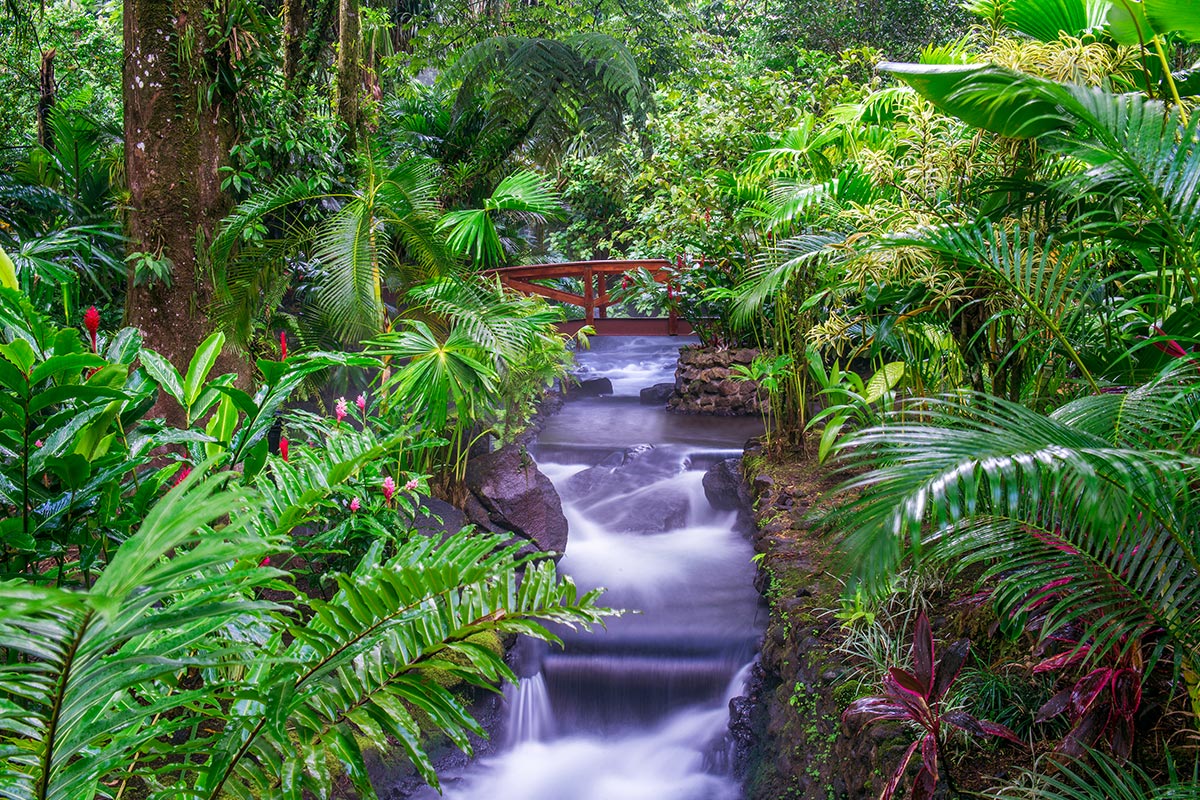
<point x="792" y="740"/>
<point x="703" y="384"/>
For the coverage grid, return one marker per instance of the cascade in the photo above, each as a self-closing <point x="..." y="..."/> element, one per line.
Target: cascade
<point x="638" y="710"/>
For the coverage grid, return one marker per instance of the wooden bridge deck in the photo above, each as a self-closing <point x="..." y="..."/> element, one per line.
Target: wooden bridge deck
<point x="599" y="279"/>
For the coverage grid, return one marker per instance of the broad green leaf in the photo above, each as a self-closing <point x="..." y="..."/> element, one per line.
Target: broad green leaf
<point x="1175" y="16"/>
<point x="165" y="375"/>
<point x="1049" y="20"/>
<point x="1127" y="23"/>
<point x="221" y="426"/>
<point x="994" y="98"/>
<point x="8" y="271"/>
<point x="201" y="364"/>
<point x="883" y="381"/>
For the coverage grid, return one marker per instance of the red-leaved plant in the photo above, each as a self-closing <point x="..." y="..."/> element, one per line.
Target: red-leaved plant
<point x="1101" y="705"/>
<point x="919" y="697"/>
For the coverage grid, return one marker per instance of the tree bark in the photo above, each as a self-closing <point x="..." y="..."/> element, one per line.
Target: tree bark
<point x="177" y="137"/>
<point x="349" y="71"/>
<point x="46" y="98"/>
<point x="295" y="24"/>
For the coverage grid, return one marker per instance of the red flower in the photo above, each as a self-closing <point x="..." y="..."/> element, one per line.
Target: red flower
<point x="91" y="321"/>
<point x="283" y="345"/>
<point x="182" y="476"/>
<point x="266" y="562"/>
<point x="283" y="447"/>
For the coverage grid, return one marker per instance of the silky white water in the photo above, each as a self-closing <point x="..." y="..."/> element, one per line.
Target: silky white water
<point x="638" y="711"/>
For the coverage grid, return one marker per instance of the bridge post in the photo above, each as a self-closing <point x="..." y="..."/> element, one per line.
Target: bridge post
<point x="603" y="295"/>
<point x="589" y="296"/>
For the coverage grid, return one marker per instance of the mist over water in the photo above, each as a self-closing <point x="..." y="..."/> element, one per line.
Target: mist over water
<point x="638" y="711"/>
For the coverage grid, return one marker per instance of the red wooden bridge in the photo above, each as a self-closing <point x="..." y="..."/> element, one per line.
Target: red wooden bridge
<point x="599" y="278"/>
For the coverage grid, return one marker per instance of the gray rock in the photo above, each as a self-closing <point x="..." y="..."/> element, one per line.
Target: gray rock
<point x="655" y="510"/>
<point x="435" y="517"/>
<point x="517" y="497"/>
<point x="609" y="476"/>
<point x="657" y="394"/>
<point x="725" y="488"/>
<point x="592" y="387"/>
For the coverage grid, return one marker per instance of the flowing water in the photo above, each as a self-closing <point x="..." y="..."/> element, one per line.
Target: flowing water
<point x="638" y="711"/>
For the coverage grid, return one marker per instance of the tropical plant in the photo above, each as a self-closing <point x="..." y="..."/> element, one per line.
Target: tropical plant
<point x="524" y="196"/>
<point x="848" y="398"/>
<point x="473" y="369"/>
<point x="381" y="234"/>
<point x="1084" y="515"/>
<point x="516" y="97"/>
<point x="1098" y="776"/>
<point x="175" y="637"/>
<point x="918" y="697"/>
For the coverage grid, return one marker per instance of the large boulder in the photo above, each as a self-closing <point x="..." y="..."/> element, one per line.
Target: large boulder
<point x="621" y="473"/>
<point x="518" y="498"/>
<point x="435" y="517"/>
<point x="725" y="488"/>
<point x="656" y="395"/>
<point x="657" y="509"/>
<point x="592" y="387"/>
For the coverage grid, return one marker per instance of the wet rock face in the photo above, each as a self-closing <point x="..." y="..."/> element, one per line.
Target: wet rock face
<point x="704" y="383"/>
<point x="516" y="497"/>
<point x="592" y="387"/>
<point x="435" y="517"/>
<point x="725" y="488"/>
<point x="656" y="395"/>
<point x="621" y="491"/>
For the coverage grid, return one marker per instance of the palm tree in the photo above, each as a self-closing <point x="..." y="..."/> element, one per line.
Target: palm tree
<point x="379" y="235"/>
<point x="1086" y="515"/>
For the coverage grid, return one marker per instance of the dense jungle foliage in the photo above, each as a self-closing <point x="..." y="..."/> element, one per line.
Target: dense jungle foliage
<point x="247" y="330"/>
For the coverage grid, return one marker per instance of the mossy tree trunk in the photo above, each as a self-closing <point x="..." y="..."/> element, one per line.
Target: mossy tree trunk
<point x="47" y="91"/>
<point x="349" y="71"/>
<point x="177" y="137"/>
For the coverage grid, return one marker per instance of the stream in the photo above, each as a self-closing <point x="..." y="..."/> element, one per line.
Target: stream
<point x="638" y="711"/>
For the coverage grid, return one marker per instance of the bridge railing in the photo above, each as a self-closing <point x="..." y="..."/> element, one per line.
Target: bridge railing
<point x="596" y="277"/>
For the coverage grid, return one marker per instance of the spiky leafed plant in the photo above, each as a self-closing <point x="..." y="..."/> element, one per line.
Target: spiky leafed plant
<point x="1139" y="161"/>
<point x="379" y="233"/>
<point x="516" y="96"/>
<point x="173" y="675"/>
<point x="1087" y="514"/>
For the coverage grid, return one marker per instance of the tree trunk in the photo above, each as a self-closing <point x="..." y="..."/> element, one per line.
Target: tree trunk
<point x="177" y="137"/>
<point x="46" y="98"/>
<point x="295" y="24"/>
<point x="349" y="71"/>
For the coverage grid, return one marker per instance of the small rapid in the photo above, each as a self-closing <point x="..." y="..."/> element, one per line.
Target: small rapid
<point x="638" y="710"/>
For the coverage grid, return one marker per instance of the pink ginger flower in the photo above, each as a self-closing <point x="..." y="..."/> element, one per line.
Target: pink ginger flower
<point x="283" y="447"/>
<point x="361" y="402"/>
<point x="339" y="410"/>
<point x="182" y="476"/>
<point x="266" y="562"/>
<point x="354" y="504"/>
<point x="412" y="485"/>
<point x="283" y="345"/>
<point x="38" y="443"/>
<point x="91" y="321"/>
<point x="389" y="488"/>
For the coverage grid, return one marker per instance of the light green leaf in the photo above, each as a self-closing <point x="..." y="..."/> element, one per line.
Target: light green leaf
<point x="165" y="375"/>
<point x="201" y="364"/>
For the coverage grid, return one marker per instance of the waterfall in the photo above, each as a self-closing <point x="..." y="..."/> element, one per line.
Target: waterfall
<point x="638" y="710"/>
<point x="528" y="716"/>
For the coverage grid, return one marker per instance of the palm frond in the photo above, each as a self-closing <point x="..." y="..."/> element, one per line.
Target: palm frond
<point x="1043" y="502"/>
<point x="782" y="265"/>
